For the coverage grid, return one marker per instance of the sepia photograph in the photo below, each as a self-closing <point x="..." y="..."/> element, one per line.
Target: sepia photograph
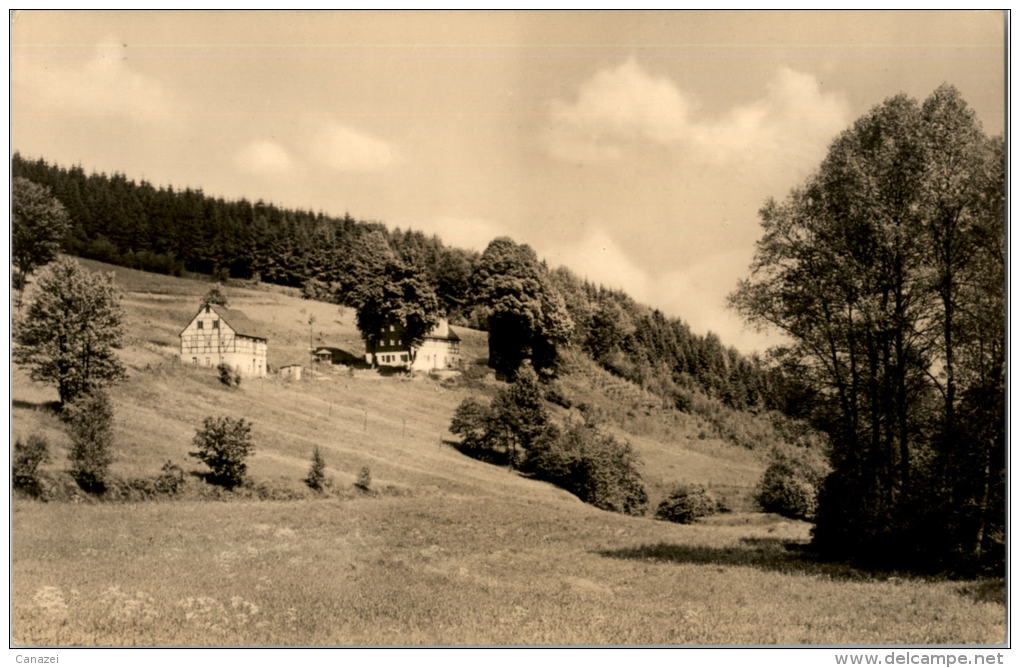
<point x="509" y="329"/>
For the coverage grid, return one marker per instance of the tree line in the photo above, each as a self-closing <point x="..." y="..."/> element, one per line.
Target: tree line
<point x="530" y="309"/>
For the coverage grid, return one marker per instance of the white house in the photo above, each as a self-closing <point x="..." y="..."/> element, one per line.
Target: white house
<point x="218" y="335"/>
<point x="439" y="350"/>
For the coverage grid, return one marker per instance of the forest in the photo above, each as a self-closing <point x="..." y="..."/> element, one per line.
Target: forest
<point x="135" y="224"/>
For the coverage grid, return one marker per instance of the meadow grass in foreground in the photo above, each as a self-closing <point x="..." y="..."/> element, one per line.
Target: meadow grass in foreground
<point x="455" y="570"/>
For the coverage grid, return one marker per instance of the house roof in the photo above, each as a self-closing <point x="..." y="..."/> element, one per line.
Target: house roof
<point x="238" y="321"/>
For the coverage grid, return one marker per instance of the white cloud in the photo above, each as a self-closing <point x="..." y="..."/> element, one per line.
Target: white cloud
<point x="625" y="109"/>
<point x="696" y="294"/>
<point x="615" y="106"/>
<point x="597" y="257"/>
<point x="793" y="122"/>
<point x="468" y="232"/>
<point x="348" y="150"/>
<point x="104" y="85"/>
<point x="264" y="157"/>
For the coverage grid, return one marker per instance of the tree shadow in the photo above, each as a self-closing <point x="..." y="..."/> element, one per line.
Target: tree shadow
<point x="339" y="356"/>
<point x="767" y="554"/>
<point x="497" y="458"/>
<point x="45" y="406"/>
<point x="985" y="590"/>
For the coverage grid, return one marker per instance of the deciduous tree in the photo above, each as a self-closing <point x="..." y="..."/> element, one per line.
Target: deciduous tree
<point x="38" y="225"/>
<point x="71" y="331"/>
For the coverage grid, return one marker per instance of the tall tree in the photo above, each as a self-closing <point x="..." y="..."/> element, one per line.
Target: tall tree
<point x="397" y="295"/>
<point x="71" y="331"/>
<point x="865" y="268"/>
<point x="38" y="225"/>
<point x="527" y="318"/>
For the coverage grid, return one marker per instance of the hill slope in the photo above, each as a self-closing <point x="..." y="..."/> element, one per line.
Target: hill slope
<point x="454" y="551"/>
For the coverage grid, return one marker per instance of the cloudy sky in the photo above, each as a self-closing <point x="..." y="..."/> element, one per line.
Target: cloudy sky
<point x="634" y="148"/>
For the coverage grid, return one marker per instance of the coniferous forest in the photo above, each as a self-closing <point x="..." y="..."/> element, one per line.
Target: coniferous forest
<point x="135" y="224"/>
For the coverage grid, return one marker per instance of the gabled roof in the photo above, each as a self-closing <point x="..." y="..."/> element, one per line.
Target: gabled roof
<point x="238" y="321"/>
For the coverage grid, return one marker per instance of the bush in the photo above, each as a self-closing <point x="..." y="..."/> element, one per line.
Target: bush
<point x="595" y="466"/>
<point x="28" y="456"/>
<point x="318" y="290"/>
<point x="214" y="297"/>
<point x="226" y="373"/>
<point x="471" y="421"/>
<point x="89" y="421"/>
<point x="364" y="481"/>
<point x="316" y="478"/>
<point x="790" y="485"/>
<point x="223" y="445"/>
<point x="686" y="504"/>
<point x="170" y="479"/>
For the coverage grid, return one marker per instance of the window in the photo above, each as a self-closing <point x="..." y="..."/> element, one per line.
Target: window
<point x="403" y="358"/>
<point x="215" y="324"/>
<point x="194" y="361"/>
<point x="200" y="323"/>
<point x="391" y="328"/>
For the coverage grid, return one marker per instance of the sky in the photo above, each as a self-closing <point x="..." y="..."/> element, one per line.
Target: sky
<point x="635" y="148"/>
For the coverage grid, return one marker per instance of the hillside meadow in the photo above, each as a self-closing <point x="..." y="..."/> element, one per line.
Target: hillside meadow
<point x="446" y="550"/>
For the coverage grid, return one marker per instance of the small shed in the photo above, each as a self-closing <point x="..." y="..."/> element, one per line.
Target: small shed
<point x="324" y="356"/>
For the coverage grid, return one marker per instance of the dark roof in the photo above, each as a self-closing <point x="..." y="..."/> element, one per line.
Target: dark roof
<point x="239" y="322"/>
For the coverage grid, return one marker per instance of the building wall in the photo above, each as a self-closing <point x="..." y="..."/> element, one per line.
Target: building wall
<point x="433" y="354"/>
<point x="437" y="354"/>
<point x="208" y="342"/>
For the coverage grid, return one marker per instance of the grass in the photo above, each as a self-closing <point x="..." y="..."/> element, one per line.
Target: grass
<point x="450" y="571"/>
<point x="461" y="552"/>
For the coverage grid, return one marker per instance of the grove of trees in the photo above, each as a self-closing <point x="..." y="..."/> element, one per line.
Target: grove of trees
<point x="515" y="428"/>
<point x="887" y="271"/>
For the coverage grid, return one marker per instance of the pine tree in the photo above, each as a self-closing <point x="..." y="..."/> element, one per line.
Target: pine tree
<point x="316" y="478"/>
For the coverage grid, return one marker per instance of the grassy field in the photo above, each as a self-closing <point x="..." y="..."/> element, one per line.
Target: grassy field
<point x="454" y="551"/>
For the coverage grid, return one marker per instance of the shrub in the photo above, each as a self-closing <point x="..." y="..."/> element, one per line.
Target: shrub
<point x="89" y="421"/>
<point x="364" y="481"/>
<point x="471" y="421"/>
<point x="223" y="445"/>
<point x="595" y="466"/>
<point x="28" y="456"/>
<point x="686" y="504"/>
<point x="790" y="485"/>
<point x="555" y="396"/>
<point x="214" y="297"/>
<point x="170" y="479"/>
<point x="318" y="290"/>
<point x="226" y="373"/>
<point x="316" y="478"/>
